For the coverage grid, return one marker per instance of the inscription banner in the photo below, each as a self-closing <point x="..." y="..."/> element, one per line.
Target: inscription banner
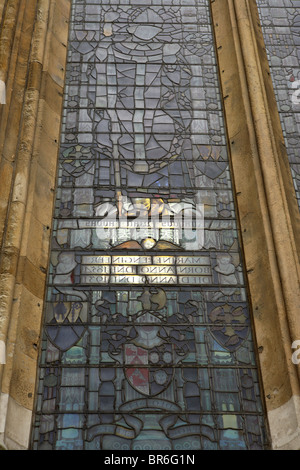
<point x="146" y="269"/>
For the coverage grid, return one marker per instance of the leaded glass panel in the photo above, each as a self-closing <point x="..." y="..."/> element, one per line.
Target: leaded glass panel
<point x="281" y="28"/>
<point x="147" y="340"/>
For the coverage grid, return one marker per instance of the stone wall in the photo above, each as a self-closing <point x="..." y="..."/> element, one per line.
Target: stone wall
<point x="33" y="40"/>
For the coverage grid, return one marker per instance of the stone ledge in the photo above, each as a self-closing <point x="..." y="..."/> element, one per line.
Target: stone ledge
<point x="285" y="426"/>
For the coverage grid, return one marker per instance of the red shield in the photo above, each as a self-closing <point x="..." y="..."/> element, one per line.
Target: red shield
<point x="138" y="377"/>
<point x="155" y="376"/>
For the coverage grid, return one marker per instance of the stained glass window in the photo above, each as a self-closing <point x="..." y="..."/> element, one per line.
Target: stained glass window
<point x="281" y="28"/>
<point x="147" y="340"/>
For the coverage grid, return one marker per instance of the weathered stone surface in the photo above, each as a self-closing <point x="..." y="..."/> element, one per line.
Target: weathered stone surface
<point x="33" y="54"/>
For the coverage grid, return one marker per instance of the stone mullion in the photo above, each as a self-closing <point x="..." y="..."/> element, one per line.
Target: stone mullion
<point x="7" y="36"/>
<point x="17" y="27"/>
<point x="18" y="49"/>
<point x="266" y="205"/>
<point x="8" y="257"/>
<point x="32" y="206"/>
<point x="28" y="224"/>
<point x="281" y="223"/>
<point x="17" y="205"/>
<point x="11" y="38"/>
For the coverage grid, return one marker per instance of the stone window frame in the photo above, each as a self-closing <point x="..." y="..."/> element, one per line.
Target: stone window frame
<point x="266" y="203"/>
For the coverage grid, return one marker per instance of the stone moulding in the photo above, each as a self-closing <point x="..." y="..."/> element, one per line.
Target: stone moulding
<point x="32" y="64"/>
<point x="267" y="209"/>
